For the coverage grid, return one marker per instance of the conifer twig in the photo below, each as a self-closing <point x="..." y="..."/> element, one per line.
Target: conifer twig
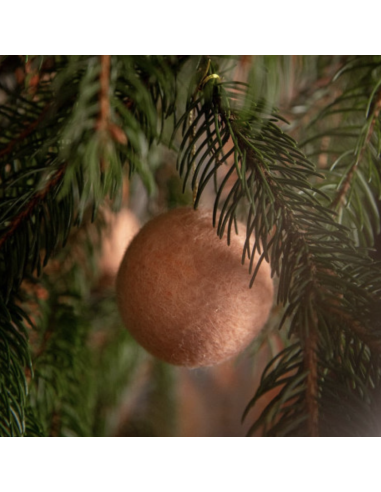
<point x="297" y="232"/>
<point x="345" y="186"/>
<point x="25" y="133"/>
<point x="310" y="346"/>
<point x="357" y="328"/>
<point x="27" y="211"/>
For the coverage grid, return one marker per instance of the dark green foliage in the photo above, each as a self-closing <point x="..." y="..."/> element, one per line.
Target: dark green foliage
<point x="71" y="127"/>
<point x="328" y="286"/>
<point x="348" y="131"/>
<point x="52" y="171"/>
<point x="14" y="359"/>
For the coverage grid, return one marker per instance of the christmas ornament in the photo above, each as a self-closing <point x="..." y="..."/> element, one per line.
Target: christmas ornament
<point x="184" y="294"/>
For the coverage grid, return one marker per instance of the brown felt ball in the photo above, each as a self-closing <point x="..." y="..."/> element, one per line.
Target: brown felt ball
<point x="184" y="294"/>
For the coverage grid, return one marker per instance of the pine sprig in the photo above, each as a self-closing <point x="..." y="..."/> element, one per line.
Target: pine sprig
<point x="347" y="133"/>
<point x="32" y="228"/>
<point x="57" y="393"/>
<point x="14" y="356"/>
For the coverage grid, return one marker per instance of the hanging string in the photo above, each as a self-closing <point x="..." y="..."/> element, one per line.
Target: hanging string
<point x="193" y="153"/>
<point x="204" y="80"/>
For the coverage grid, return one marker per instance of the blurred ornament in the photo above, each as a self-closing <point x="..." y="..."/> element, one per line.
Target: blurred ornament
<point x="120" y="230"/>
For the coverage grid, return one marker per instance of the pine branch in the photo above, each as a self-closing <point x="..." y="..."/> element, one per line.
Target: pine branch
<point x="309" y="251"/>
<point x="14" y="358"/>
<point x="372" y="340"/>
<point x="345" y="186"/>
<point x="346" y="134"/>
<point x="71" y="151"/>
<point x="33" y="203"/>
<point x="25" y="133"/>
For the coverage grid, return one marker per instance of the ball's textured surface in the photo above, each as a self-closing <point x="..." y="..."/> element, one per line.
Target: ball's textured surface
<point x="184" y="294"/>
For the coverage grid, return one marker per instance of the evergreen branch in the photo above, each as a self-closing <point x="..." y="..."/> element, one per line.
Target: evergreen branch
<point x="14" y="358"/>
<point x="350" y="392"/>
<point x="285" y="414"/>
<point x="345" y="186"/>
<point x="32" y="220"/>
<point x="56" y="392"/>
<point x="33" y="203"/>
<point x="240" y="141"/>
<point x="346" y="147"/>
<point x="82" y="360"/>
<point x="293" y="229"/>
<point x="25" y="133"/>
<point x="372" y="340"/>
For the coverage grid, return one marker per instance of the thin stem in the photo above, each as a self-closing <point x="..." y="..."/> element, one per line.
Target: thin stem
<point x="104" y="102"/>
<point x="103" y="124"/>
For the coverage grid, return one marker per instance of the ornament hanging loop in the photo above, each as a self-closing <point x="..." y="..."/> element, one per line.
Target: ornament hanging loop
<point x="205" y="80"/>
<point x="193" y="153"/>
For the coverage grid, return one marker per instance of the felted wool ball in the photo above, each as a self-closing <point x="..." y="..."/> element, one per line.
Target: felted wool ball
<point x="184" y="294"/>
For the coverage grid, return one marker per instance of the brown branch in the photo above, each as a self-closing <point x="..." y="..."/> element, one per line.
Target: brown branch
<point x="346" y="184"/>
<point x="104" y="102"/>
<point x="28" y="210"/>
<point x="104" y="124"/>
<point x="343" y="190"/>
